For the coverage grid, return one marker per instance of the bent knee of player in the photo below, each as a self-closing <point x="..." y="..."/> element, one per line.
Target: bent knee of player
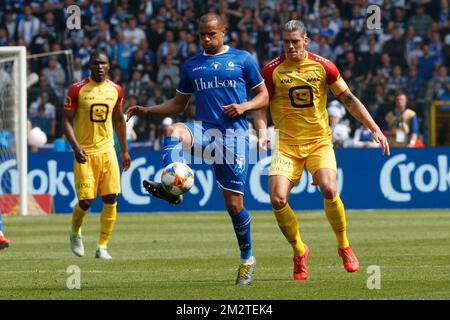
<point x="328" y="190"/>
<point x="177" y="131"/>
<point x="170" y="131"/>
<point x="234" y="207"/>
<point x="85" y="204"/>
<point x="278" y="202"/>
<point x="110" y="198"/>
<point x="174" y="130"/>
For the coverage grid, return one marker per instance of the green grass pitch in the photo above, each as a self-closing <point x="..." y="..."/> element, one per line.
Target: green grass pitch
<point x="183" y="256"/>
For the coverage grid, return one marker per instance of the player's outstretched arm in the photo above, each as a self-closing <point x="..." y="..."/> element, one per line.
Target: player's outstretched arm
<point x="121" y="130"/>
<point x="173" y="106"/>
<point x="359" y="111"/>
<point x="260" y="100"/>
<point x="67" y="124"/>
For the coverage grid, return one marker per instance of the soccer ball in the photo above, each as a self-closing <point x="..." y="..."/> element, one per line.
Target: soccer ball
<point x="177" y="178"/>
<point x="37" y="137"/>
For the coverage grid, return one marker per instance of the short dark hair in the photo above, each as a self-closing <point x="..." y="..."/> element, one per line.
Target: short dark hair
<point x="400" y="93"/>
<point x="295" y="25"/>
<point x="96" y="53"/>
<point x="211" y="16"/>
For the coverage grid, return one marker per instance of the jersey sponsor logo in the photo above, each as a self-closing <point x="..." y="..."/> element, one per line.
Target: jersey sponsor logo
<point x="312" y="79"/>
<point x="99" y="112"/>
<point x="199" y="68"/>
<point x="202" y="84"/>
<point x="216" y="65"/>
<point x="285" y="71"/>
<point x="301" y="97"/>
<point x="83" y="185"/>
<point x="230" y="65"/>
<point x="286" y="81"/>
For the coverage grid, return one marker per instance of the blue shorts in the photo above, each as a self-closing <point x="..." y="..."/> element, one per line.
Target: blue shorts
<point x="227" y="152"/>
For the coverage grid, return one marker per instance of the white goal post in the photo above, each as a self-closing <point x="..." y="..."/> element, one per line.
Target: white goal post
<point x="17" y="55"/>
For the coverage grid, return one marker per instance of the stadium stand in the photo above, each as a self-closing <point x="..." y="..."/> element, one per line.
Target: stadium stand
<point x="148" y="40"/>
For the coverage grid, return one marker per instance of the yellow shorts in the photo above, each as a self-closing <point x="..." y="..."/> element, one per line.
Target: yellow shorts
<point x="100" y="173"/>
<point x="290" y="160"/>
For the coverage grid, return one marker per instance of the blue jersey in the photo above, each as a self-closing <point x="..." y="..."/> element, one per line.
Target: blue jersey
<point x="219" y="80"/>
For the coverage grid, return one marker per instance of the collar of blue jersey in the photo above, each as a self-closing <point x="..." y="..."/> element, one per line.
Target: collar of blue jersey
<point x="221" y="52"/>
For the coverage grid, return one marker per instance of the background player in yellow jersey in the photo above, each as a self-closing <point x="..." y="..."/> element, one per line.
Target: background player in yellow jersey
<point x="93" y="108"/>
<point x="298" y="83"/>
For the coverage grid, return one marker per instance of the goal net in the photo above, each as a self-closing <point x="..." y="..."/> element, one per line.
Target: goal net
<point x="13" y="130"/>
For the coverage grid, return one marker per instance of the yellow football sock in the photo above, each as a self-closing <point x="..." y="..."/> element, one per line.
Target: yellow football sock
<point x="107" y="220"/>
<point x="335" y="212"/>
<point x="287" y="221"/>
<point x="78" y="216"/>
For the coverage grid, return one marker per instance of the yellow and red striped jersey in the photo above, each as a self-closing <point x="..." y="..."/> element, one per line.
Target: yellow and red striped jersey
<point x="94" y="103"/>
<point x="298" y="96"/>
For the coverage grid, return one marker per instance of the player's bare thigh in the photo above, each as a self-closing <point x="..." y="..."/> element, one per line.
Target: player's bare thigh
<point x="279" y="190"/>
<point x="180" y="132"/>
<point x="326" y="180"/>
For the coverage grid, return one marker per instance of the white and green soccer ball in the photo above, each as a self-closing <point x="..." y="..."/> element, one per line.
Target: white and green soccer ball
<point x="177" y="178"/>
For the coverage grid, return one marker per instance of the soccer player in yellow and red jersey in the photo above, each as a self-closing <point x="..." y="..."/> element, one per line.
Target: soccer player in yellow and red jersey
<point x="298" y="83"/>
<point x="93" y="108"/>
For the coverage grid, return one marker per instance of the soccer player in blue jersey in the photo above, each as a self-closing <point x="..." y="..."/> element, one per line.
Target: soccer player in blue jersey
<point x="4" y="243"/>
<point x="219" y="78"/>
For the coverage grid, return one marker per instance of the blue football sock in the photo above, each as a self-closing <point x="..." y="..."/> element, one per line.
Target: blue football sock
<point x="172" y="151"/>
<point x="241" y="224"/>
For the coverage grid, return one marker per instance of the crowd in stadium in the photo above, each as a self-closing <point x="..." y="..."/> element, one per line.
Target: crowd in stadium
<point x="148" y="40"/>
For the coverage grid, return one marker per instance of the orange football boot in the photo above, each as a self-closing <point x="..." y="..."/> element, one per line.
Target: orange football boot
<point x="4" y="243"/>
<point x="300" y="271"/>
<point x="351" y="263"/>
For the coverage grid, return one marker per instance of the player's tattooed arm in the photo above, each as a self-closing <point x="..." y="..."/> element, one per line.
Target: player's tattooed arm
<point x="360" y="113"/>
<point x="357" y="109"/>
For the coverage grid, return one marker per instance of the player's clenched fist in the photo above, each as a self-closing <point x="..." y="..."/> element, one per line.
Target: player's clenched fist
<point x="126" y="160"/>
<point x="136" y="111"/>
<point x="234" y="110"/>
<point x="80" y="155"/>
